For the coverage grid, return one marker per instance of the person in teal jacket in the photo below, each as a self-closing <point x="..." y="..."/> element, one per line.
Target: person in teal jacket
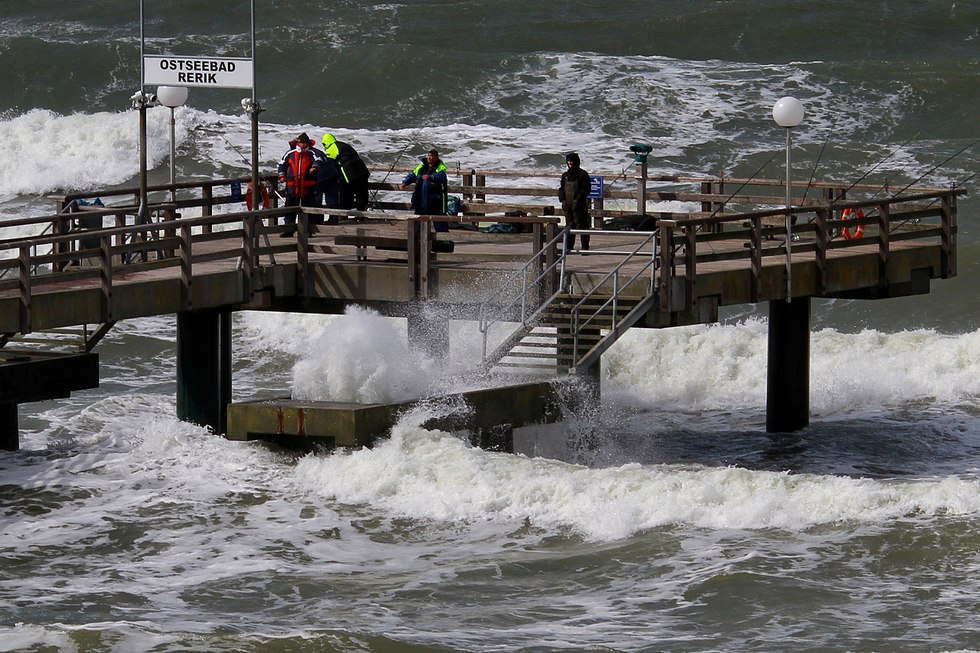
<point x="431" y="185"/>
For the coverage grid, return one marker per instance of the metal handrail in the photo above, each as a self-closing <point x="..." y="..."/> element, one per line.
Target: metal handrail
<point x="617" y="288"/>
<point x="529" y="321"/>
<point x="486" y="322"/>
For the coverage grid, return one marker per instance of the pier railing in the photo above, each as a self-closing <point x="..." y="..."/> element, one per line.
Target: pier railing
<point x="700" y="224"/>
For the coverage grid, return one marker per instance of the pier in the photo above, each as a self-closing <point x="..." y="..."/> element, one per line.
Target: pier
<point x="541" y="309"/>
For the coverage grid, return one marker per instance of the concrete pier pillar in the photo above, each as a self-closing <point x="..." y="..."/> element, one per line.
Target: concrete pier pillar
<point x="788" y="374"/>
<point x="204" y="368"/>
<point x="9" y="435"/>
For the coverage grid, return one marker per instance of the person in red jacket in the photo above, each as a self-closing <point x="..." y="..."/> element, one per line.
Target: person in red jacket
<point x="298" y="171"/>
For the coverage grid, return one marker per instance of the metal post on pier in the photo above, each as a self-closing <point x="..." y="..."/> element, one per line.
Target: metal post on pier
<point x="640" y="153"/>
<point x="788" y="113"/>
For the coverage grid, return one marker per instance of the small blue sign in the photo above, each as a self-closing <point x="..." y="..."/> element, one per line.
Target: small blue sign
<point x="236" y="191"/>
<point x="595" y="187"/>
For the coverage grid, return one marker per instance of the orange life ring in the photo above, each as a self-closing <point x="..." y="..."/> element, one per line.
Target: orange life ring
<point x="266" y="202"/>
<point x="849" y="214"/>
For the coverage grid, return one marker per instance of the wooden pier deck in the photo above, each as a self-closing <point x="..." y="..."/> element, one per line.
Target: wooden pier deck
<point x="92" y="266"/>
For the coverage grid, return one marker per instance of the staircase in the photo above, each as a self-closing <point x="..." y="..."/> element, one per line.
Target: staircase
<point x="59" y="340"/>
<point x="568" y="332"/>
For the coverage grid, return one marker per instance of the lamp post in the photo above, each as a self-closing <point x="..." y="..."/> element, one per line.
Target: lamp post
<point x="788" y="113"/>
<point x="173" y="97"/>
<point x="141" y="100"/>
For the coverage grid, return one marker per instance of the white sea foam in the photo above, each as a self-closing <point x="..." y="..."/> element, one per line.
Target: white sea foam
<point x="364" y="359"/>
<point x="44" y="151"/>
<point x="432" y="475"/>
<point x="724" y="366"/>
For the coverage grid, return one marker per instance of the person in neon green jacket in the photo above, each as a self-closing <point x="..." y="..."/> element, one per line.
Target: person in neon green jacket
<point x="431" y="185"/>
<point x="353" y="172"/>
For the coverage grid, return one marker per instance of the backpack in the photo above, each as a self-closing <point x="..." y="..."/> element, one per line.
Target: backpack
<point x="454" y="205"/>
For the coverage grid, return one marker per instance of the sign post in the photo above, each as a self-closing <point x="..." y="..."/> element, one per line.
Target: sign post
<point x="203" y="72"/>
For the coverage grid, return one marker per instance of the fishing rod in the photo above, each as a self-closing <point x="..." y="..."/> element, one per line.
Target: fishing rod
<point x="937" y="166"/>
<point x="744" y="184"/>
<point x="878" y="165"/>
<point x="412" y="140"/>
<point x="925" y="174"/>
<point x="237" y="151"/>
<point x="727" y="199"/>
<point x="257" y="197"/>
<point x="621" y="175"/>
<point x="823" y="147"/>
<point x="956" y="184"/>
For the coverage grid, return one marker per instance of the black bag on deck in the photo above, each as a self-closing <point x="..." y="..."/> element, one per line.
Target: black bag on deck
<point x="631" y="223"/>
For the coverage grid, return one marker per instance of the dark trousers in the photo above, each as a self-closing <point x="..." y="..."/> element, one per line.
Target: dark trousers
<point x="354" y="195"/>
<point x="576" y="217"/>
<point x="292" y="200"/>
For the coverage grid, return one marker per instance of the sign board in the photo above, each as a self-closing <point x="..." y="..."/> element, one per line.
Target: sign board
<point x="206" y="72"/>
<point x="595" y="187"/>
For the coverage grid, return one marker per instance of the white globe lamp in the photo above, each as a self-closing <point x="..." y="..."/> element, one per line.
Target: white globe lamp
<point x="788" y="112"/>
<point x="172" y="96"/>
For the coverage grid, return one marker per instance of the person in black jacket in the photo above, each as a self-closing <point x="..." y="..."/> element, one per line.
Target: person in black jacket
<point x="328" y="185"/>
<point x="353" y="173"/>
<point x="573" y="193"/>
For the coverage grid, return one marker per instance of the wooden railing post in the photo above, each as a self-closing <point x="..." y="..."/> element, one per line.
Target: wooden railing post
<point x="481" y="182"/>
<point x="949" y="235"/>
<point x="551" y="258"/>
<point x="884" y="251"/>
<point x="303" y="251"/>
<point x="248" y="260"/>
<point x="666" y="263"/>
<point x="24" y="286"/>
<point x="105" y="277"/>
<point x="690" y="265"/>
<point x="207" y="197"/>
<point x="706" y="188"/>
<point x="424" y="253"/>
<point x="412" y="251"/>
<point x="755" y="246"/>
<point x="59" y="227"/>
<point x="170" y="216"/>
<point x="822" y="241"/>
<point x="186" y="272"/>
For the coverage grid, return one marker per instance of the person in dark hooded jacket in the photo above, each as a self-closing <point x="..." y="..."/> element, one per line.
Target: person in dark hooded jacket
<point x="328" y="185"/>
<point x="573" y="193"/>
